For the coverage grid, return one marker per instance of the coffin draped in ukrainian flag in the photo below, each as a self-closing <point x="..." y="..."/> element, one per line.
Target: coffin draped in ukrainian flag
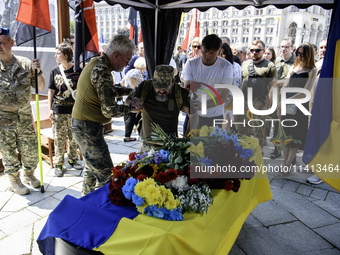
<point x="200" y="216"/>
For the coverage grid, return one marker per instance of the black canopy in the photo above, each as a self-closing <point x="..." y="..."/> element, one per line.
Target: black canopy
<point x="160" y="20"/>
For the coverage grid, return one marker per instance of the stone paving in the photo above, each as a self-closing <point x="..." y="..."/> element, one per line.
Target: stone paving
<point x="300" y="219"/>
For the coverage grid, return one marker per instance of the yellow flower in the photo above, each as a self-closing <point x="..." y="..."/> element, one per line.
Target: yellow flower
<point x="172" y="204"/>
<point x="199" y="149"/>
<point x="155" y="168"/>
<point x="287" y="141"/>
<point x="152" y="194"/>
<point x="194" y="133"/>
<point x="276" y="142"/>
<point x="139" y="189"/>
<point x="204" y="131"/>
<point x="250" y="115"/>
<point x="141" y="209"/>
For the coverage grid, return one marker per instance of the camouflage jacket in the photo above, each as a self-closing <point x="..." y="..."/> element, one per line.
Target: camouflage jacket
<point x="96" y="93"/>
<point x="16" y="81"/>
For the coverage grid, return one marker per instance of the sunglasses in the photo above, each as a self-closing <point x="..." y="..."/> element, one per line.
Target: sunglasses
<point x="299" y="54"/>
<point x="197" y="46"/>
<point x="255" y="50"/>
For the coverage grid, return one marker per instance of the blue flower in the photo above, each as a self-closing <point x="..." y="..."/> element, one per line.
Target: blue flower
<point x="164" y="155"/>
<point x="176" y="214"/>
<point x="238" y="148"/>
<point x="246" y="153"/>
<point x="206" y="161"/>
<point x="128" y="188"/>
<point x="235" y="139"/>
<point x="137" y="200"/>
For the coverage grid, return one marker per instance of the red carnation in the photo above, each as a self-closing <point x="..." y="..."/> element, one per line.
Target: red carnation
<point x="161" y="177"/>
<point x="228" y="185"/>
<point x="141" y="177"/>
<point x="132" y="156"/>
<point x="171" y="174"/>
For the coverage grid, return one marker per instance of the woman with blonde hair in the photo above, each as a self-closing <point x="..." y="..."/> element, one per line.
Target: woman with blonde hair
<point x="301" y="75"/>
<point x="196" y="45"/>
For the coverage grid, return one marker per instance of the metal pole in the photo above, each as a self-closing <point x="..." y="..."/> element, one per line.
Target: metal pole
<point x="38" y="114"/>
<point x="83" y="32"/>
<point x="156" y="27"/>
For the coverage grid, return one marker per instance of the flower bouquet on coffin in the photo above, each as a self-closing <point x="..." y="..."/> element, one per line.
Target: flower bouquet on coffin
<point x="159" y="182"/>
<point x="218" y="155"/>
<point x="281" y="140"/>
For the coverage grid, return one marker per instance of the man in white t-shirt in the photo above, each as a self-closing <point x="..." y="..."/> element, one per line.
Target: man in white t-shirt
<point x="202" y="74"/>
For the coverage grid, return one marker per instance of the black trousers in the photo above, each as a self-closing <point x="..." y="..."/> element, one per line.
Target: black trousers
<point x="131" y="119"/>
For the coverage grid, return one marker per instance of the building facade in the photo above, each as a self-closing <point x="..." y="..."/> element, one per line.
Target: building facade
<point x="268" y="24"/>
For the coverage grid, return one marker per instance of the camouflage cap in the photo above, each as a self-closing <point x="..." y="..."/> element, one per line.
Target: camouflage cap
<point x="4" y="31"/>
<point x="163" y="76"/>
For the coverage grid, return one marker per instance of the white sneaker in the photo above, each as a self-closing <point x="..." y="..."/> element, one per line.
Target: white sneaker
<point x="314" y="180"/>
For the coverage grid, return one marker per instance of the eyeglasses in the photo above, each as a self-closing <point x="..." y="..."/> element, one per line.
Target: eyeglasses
<point x="127" y="60"/>
<point x="285" y="46"/>
<point x="255" y="50"/>
<point x="297" y="53"/>
<point x="197" y="46"/>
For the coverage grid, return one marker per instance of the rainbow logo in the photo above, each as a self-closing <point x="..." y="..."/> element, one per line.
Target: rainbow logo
<point x="209" y="93"/>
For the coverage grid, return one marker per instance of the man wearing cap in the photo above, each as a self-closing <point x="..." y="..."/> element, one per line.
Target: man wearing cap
<point x="95" y="105"/>
<point x="163" y="99"/>
<point x="16" y="124"/>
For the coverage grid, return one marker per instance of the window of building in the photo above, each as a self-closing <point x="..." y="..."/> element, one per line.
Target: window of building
<point x="271" y="11"/>
<point x="224" y="31"/>
<point x="224" y="23"/>
<point x="258" y="21"/>
<point x="215" y="31"/>
<point x="270" y="21"/>
<point x="246" y="22"/>
<point x="234" y="40"/>
<point x="245" y="31"/>
<point x="235" y="22"/>
<point x="235" y="14"/>
<point x="215" y="23"/>
<point x="119" y="23"/>
<point x="257" y="31"/>
<point x="235" y="30"/>
<point x="269" y="40"/>
<point x="259" y="12"/>
<point x="270" y="30"/>
<point x="256" y="38"/>
<point x="245" y="39"/>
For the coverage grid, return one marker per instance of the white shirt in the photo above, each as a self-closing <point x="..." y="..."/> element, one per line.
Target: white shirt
<point x="221" y="72"/>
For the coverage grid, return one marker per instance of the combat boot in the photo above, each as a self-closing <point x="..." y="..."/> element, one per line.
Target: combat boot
<point x="31" y="180"/>
<point x="16" y="185"/>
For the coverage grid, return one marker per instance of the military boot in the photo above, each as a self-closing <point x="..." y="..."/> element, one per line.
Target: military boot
<point x="16" y="185"/>
<point x="31" y="180"/>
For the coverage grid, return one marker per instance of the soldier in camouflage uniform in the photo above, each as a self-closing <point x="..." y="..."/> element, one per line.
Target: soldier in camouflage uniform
<point x="260" y="74"/>
<point x="16" y="124"/>
<point x="63" y="81"/>
<point x="95" y="105"/>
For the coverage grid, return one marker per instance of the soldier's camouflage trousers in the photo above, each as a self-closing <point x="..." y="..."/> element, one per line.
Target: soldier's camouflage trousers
<point x="61" y="131"/>
<point x="98" y="164"/>
<point x="259" y="132"/>
<point x="19" y="138"/>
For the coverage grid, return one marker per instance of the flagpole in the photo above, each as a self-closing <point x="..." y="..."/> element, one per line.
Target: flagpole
<point x="83" y="32"/>
<point x="38" y="114"/>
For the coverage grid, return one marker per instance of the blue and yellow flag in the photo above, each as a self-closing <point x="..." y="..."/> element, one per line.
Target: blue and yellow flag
<point x="323" y="139"/>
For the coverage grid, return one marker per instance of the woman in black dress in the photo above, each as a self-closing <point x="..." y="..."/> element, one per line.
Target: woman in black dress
<point x="301" y="75"/>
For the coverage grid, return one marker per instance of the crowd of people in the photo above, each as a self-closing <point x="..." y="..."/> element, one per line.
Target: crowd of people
<point x="116" y="84"/>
